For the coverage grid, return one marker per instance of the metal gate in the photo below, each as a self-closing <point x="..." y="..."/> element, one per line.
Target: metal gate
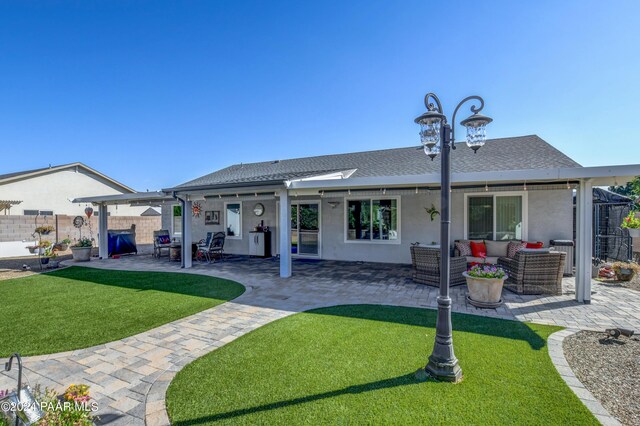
<point x="611" y="242"/>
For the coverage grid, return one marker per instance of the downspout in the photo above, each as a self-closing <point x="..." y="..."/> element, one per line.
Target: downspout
<point x="182" y="220"/>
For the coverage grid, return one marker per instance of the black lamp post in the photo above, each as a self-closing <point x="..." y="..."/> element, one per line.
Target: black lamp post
<point x="437" y="136"/>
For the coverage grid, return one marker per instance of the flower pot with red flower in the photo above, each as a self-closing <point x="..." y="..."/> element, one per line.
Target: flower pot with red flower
<point x="632" y="224"/>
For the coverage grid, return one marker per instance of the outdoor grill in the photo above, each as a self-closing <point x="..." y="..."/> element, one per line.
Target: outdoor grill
<point x="122" y="241"/>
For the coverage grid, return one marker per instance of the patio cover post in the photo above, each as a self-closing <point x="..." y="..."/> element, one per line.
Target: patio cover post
<point x="103" y="233"/>
<point x="186" y="251"/>
<point x="584" y="236"/>
<point x="285" y="234"/>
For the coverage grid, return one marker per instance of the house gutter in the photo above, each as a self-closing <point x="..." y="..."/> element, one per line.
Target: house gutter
<point x="603" y="175"/>
<point x="183" y="206"/>
<point x="189" y="189"/>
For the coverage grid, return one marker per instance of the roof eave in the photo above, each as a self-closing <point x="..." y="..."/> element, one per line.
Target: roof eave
<point x="63" y="167"/>
<point x="603" y="175"/>
<point x="125" y="198"/>
<point x="222" y="186"/>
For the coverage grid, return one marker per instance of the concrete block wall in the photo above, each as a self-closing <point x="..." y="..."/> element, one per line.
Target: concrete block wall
<point x="19" y="227"/>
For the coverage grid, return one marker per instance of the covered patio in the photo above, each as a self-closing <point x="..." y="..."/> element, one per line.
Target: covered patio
<point x="330" y="190"/>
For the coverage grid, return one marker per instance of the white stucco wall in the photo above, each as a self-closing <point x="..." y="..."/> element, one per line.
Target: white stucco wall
<point x="249" y="220"/>
<point x="415" y="226"/>
<point x="550" y="216"/>
<point x="52" y="191"/>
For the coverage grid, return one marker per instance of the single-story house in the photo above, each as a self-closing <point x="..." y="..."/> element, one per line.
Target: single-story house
<point x="32" y="198"/>
<point x="370" y="206"/>
<point x="49" y="191"/>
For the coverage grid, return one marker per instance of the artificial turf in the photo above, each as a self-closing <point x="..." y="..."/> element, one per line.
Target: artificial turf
<point x="355" y="365"/>
<point x="81" y="307"/>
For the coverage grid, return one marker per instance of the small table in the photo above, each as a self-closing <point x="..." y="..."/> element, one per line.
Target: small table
<point x="175" y="251"/>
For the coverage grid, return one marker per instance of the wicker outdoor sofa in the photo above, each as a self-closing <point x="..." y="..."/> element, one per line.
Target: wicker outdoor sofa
<point x="534" y="273"/>
<point x="426" y="267"/>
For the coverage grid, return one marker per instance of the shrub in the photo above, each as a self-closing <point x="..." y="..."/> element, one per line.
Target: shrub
<point x="618" y="266"/>
<point x="631" y="221"/>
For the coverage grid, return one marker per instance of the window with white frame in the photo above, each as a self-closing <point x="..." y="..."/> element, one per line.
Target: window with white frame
<point x="176" y="220"/>
<point x="496" y="217"/>
<point x="373" y="219"/>
<point x="233" y="220"/>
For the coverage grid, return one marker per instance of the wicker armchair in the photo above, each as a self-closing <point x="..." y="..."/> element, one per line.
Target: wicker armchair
<point x="426" y="267"/>
<point x="534" y="273"/>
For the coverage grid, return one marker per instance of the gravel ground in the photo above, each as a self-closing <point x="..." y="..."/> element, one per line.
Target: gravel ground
<point x="634" y="284"/>
<point x="610" y="369"/>
<point x="12" y="267"/>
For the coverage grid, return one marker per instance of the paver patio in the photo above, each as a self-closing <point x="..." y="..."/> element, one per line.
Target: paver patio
<point x="129" y="377"/>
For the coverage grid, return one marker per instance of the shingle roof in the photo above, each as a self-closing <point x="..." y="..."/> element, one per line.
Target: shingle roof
<point x="25" y="172"/>
<point x="8" y="177"/>
<point x="515" y="153"/>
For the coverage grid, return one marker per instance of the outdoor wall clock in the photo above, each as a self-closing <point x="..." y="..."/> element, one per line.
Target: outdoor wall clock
<point x="258" y="209"/>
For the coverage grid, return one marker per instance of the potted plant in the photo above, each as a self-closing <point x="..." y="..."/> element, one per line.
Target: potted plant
<point x="485" y="285"/>
<point x="43" y="246"/>
<point x="625" y="271"/>
<point x="632" y="223"/>
<point x="81" y="250"/>
<point x="49" y="253"/>
<point x="45" y="230"/>
<point x="64" y="244"/>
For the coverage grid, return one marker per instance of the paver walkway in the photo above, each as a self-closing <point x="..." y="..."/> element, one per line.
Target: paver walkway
<point x="129" y="377"/>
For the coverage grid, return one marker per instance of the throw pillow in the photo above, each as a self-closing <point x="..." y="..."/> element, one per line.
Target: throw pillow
<point x="164" y="239"/>
<point x="496" y="248"/>
<point x="478" y="249"/>
<point x="514" y="247"/>
<point x="464" y="249"/>
<point x="537" y="245"/>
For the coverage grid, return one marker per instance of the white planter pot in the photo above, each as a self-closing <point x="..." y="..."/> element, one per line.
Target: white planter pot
<point x="634" y="232"/>
<point x="81" y="254"/>
<point x="485" y="290"/>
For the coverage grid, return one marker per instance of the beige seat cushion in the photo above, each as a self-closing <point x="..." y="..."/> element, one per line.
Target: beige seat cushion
<point x="489" y="259"/>
<point x="496" y="248"/>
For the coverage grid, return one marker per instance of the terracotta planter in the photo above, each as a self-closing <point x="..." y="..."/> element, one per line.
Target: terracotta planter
<point x="485" y="292"/>
<point x="81" y="254"/>
<point x="634" y="232"/>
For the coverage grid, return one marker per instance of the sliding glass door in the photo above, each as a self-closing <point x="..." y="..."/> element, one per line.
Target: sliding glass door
<point x="305" y="229"/>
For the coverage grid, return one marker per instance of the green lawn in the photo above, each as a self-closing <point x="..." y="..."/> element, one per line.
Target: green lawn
<point x="80" y="307"/>
<point x="356" y="364"/>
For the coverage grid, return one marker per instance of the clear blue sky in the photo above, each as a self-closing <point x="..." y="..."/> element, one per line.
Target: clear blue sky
<point x="155" y="93"/>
